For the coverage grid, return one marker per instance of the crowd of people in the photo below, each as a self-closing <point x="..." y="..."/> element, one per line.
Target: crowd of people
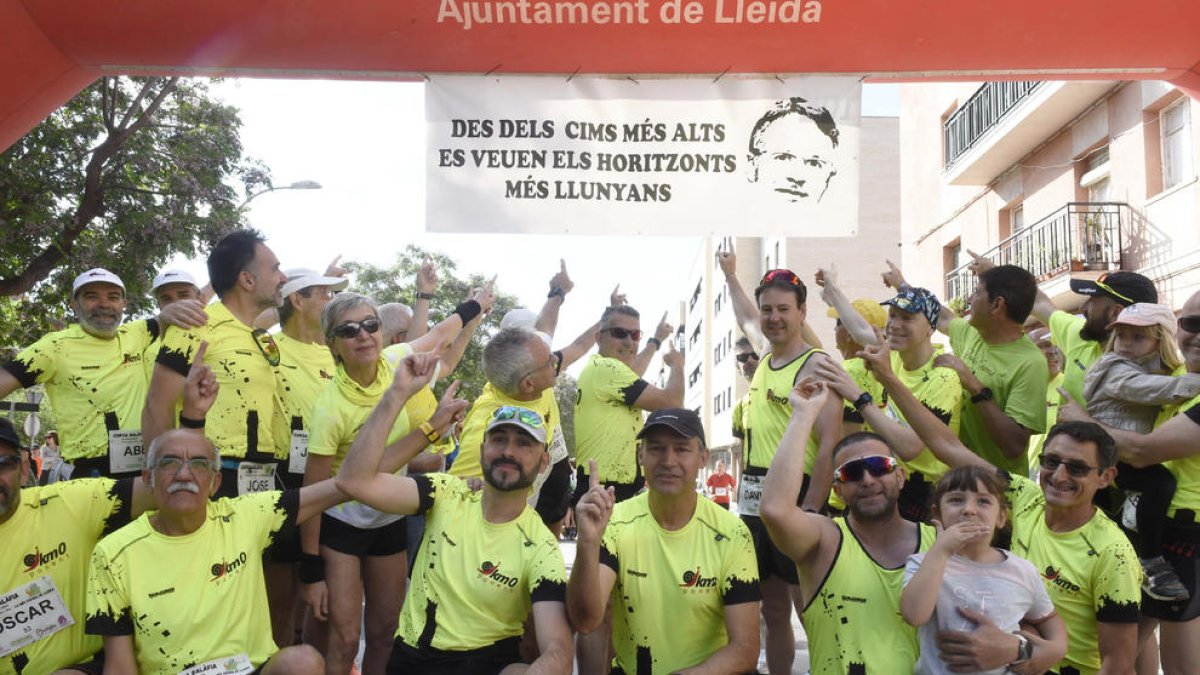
<point x="228" y="498"/>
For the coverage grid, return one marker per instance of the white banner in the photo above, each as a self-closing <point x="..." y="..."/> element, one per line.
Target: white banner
<point x="676" y="156"/>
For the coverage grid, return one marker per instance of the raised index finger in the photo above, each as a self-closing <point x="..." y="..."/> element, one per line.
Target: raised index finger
<point x="198" y="359"/>
<point x="594" y="475"/>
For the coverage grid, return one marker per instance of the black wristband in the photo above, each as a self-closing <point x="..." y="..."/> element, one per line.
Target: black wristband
<point x="864" y="399"/>
<point x="984" y="394"/>
<point x="423" y="296"/>
<point x="654" y="341"/>
<point x="189" y="423"/>
<point x="311" y="568"/>
<point x="468" y="311"/>
<point x="557" y="292"/>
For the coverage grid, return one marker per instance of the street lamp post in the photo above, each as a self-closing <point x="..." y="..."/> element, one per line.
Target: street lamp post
<point x="298" y="185"/>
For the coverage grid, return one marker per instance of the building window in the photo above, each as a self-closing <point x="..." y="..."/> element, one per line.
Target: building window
<point x="1176" y="125"/>
<point x="695" y="296"/>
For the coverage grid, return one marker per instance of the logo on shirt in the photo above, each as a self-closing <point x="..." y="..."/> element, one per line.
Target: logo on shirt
<point x="221" y="569"/>
<point x="693" y="579"/>
<point x="38" y="559"/>
<point x="490" y="570"/>
<point x="775" y="398"/>
<point x="133" y="358"/>
<point x="1055" y="577"/>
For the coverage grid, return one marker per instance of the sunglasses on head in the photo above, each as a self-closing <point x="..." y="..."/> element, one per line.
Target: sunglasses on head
<point x="524" y="415"/>
<point x="1190" y="323"/>
<point x="266" y="345"/>
<point x="1074" y="469"/>
<point x="350" y="329"/>
<point x="854" y="470"/>
<point x="746" y="356"/>
<point x="787" y="276"/>
<point x="622" y="333"/>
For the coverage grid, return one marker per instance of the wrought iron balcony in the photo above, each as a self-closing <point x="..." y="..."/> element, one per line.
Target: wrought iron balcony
<point x="1079" y="236"/>
<point x="986" y="107"/>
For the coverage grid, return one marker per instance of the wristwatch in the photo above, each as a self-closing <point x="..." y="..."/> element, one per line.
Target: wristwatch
<point x="984" y="394"/>
<point x="420" y="295"/>
<point x="864" y="399"/>
<point x="1024" y="649"/>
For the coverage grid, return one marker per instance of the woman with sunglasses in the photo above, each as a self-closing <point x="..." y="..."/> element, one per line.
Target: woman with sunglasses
<point x="361" y="549"/>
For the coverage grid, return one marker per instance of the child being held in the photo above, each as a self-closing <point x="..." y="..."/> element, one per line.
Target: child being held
<point x="962" y="570"/>
<point x="1126" y="388"/>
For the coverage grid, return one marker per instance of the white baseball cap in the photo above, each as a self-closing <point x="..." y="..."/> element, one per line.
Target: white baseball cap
<point x="302" y="277"/>
<point x="521" y="317"/>
<point x="96" y="275"/>
<point x="172" y="277"/>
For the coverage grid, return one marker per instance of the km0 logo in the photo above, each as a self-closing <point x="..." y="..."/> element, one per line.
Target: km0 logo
<point x="37" y="558"/>
<point x="222" y="569"/>
<point x="492" y="571"/>
<point x="696" y="580"/>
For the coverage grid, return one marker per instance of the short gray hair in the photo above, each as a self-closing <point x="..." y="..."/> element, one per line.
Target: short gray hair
<point x="506" y="359"/>
<point x="396" y="318"/>
<point x="156" y="446"/>
<point x="339" y="305"/>
<point x="610" y="312"/>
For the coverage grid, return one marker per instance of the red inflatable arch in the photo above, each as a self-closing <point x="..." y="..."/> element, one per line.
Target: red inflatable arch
<point x="53" y="48"/>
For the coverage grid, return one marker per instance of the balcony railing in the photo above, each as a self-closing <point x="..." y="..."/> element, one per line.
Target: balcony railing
<point x="1079" y="236"/>
<point x="986" y="107"/>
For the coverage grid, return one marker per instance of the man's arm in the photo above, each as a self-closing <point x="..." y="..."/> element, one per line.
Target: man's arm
<point x="560" y="285"/>
<point x="904" y="441"/>
<point x="478" y="304"/>
<point x="894" y="278"/>
<point x="426" y="285"/>
<point x="8" y="383"/>
<point x="740" y="654"/>
<point x="198" y="389"/>
<point x="653" y="398"/>
<point x="662" y="332"/>
<point x="452" y="355"/>
<point x="579" y="347"/>
<point x="745" y="310"/>
<point x="591" y="582"/>
<point x="828" y="428"/>
<point x="1012" y="438"/>
<point x="119" y="658"/>
<point x="936" y="436"/>
<point x="799" y="534"/>
<point x="1118" y="647"/>
<point x="862" y="332"/>
<point x="556" y="653"/>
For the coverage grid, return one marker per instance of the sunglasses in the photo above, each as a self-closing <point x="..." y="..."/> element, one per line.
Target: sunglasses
<point x="172" y="465"/>
<point x="854" y="470"/>
<point x="622" y="333"/>
<point x="746" y="356"/>
<point x="350" y="329"/>
<point x="523" y="415"/>
<point x="787" y="276"/>
<point x="1190" y="323"/>
<point x="1074" y="469"/>
<point x="1109" y="289"/>
<point x="266" y="345"/>
<point x="9" y="462"/>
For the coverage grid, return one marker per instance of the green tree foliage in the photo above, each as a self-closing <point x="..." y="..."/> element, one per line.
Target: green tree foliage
<point x="129" y="172"/>
<point x="396" y="282"/>
<point x="565" y="392"/>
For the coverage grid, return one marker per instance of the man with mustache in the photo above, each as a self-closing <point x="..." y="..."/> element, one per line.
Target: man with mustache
<point x="667" y="553"/>
<point x="95" y="376"/>
<point x="486" y="561"/>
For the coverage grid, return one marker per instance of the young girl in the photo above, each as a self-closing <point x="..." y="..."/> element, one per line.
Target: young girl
<point x="1127" y="388"/>
<point x="964" y="570"/>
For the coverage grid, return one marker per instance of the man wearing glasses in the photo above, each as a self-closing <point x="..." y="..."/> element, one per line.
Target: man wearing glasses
<point x="851" y="568"/>
<point x="1088" y="565"/>
<point x="780" y="306"/>
<point x="486" y="561"/>
<point x="95" y="375"/>
<point x="612" y="396"/>
<point x="1174" y="442"/>
<point x="790" y="150"/>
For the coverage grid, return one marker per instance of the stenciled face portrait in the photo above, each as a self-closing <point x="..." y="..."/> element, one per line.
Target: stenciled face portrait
<point x="792" y="151"/>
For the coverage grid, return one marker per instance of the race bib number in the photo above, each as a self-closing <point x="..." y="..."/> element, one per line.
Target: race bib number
<point x="229" y="665"/>
<point x="750" y="494"/>
<point x="558" y="446"/>
<point x="31" y="612"/>
<point x="720" y="491"/>
<point x="126" y="453"/>
<point x="298" y="455"/>
<point x="255" y="478"/>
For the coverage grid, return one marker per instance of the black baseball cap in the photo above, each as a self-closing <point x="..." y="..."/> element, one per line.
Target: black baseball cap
<point x="8" y="434"/>
<point x="681" y="420"/>
<point x="1126" y="288"/>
